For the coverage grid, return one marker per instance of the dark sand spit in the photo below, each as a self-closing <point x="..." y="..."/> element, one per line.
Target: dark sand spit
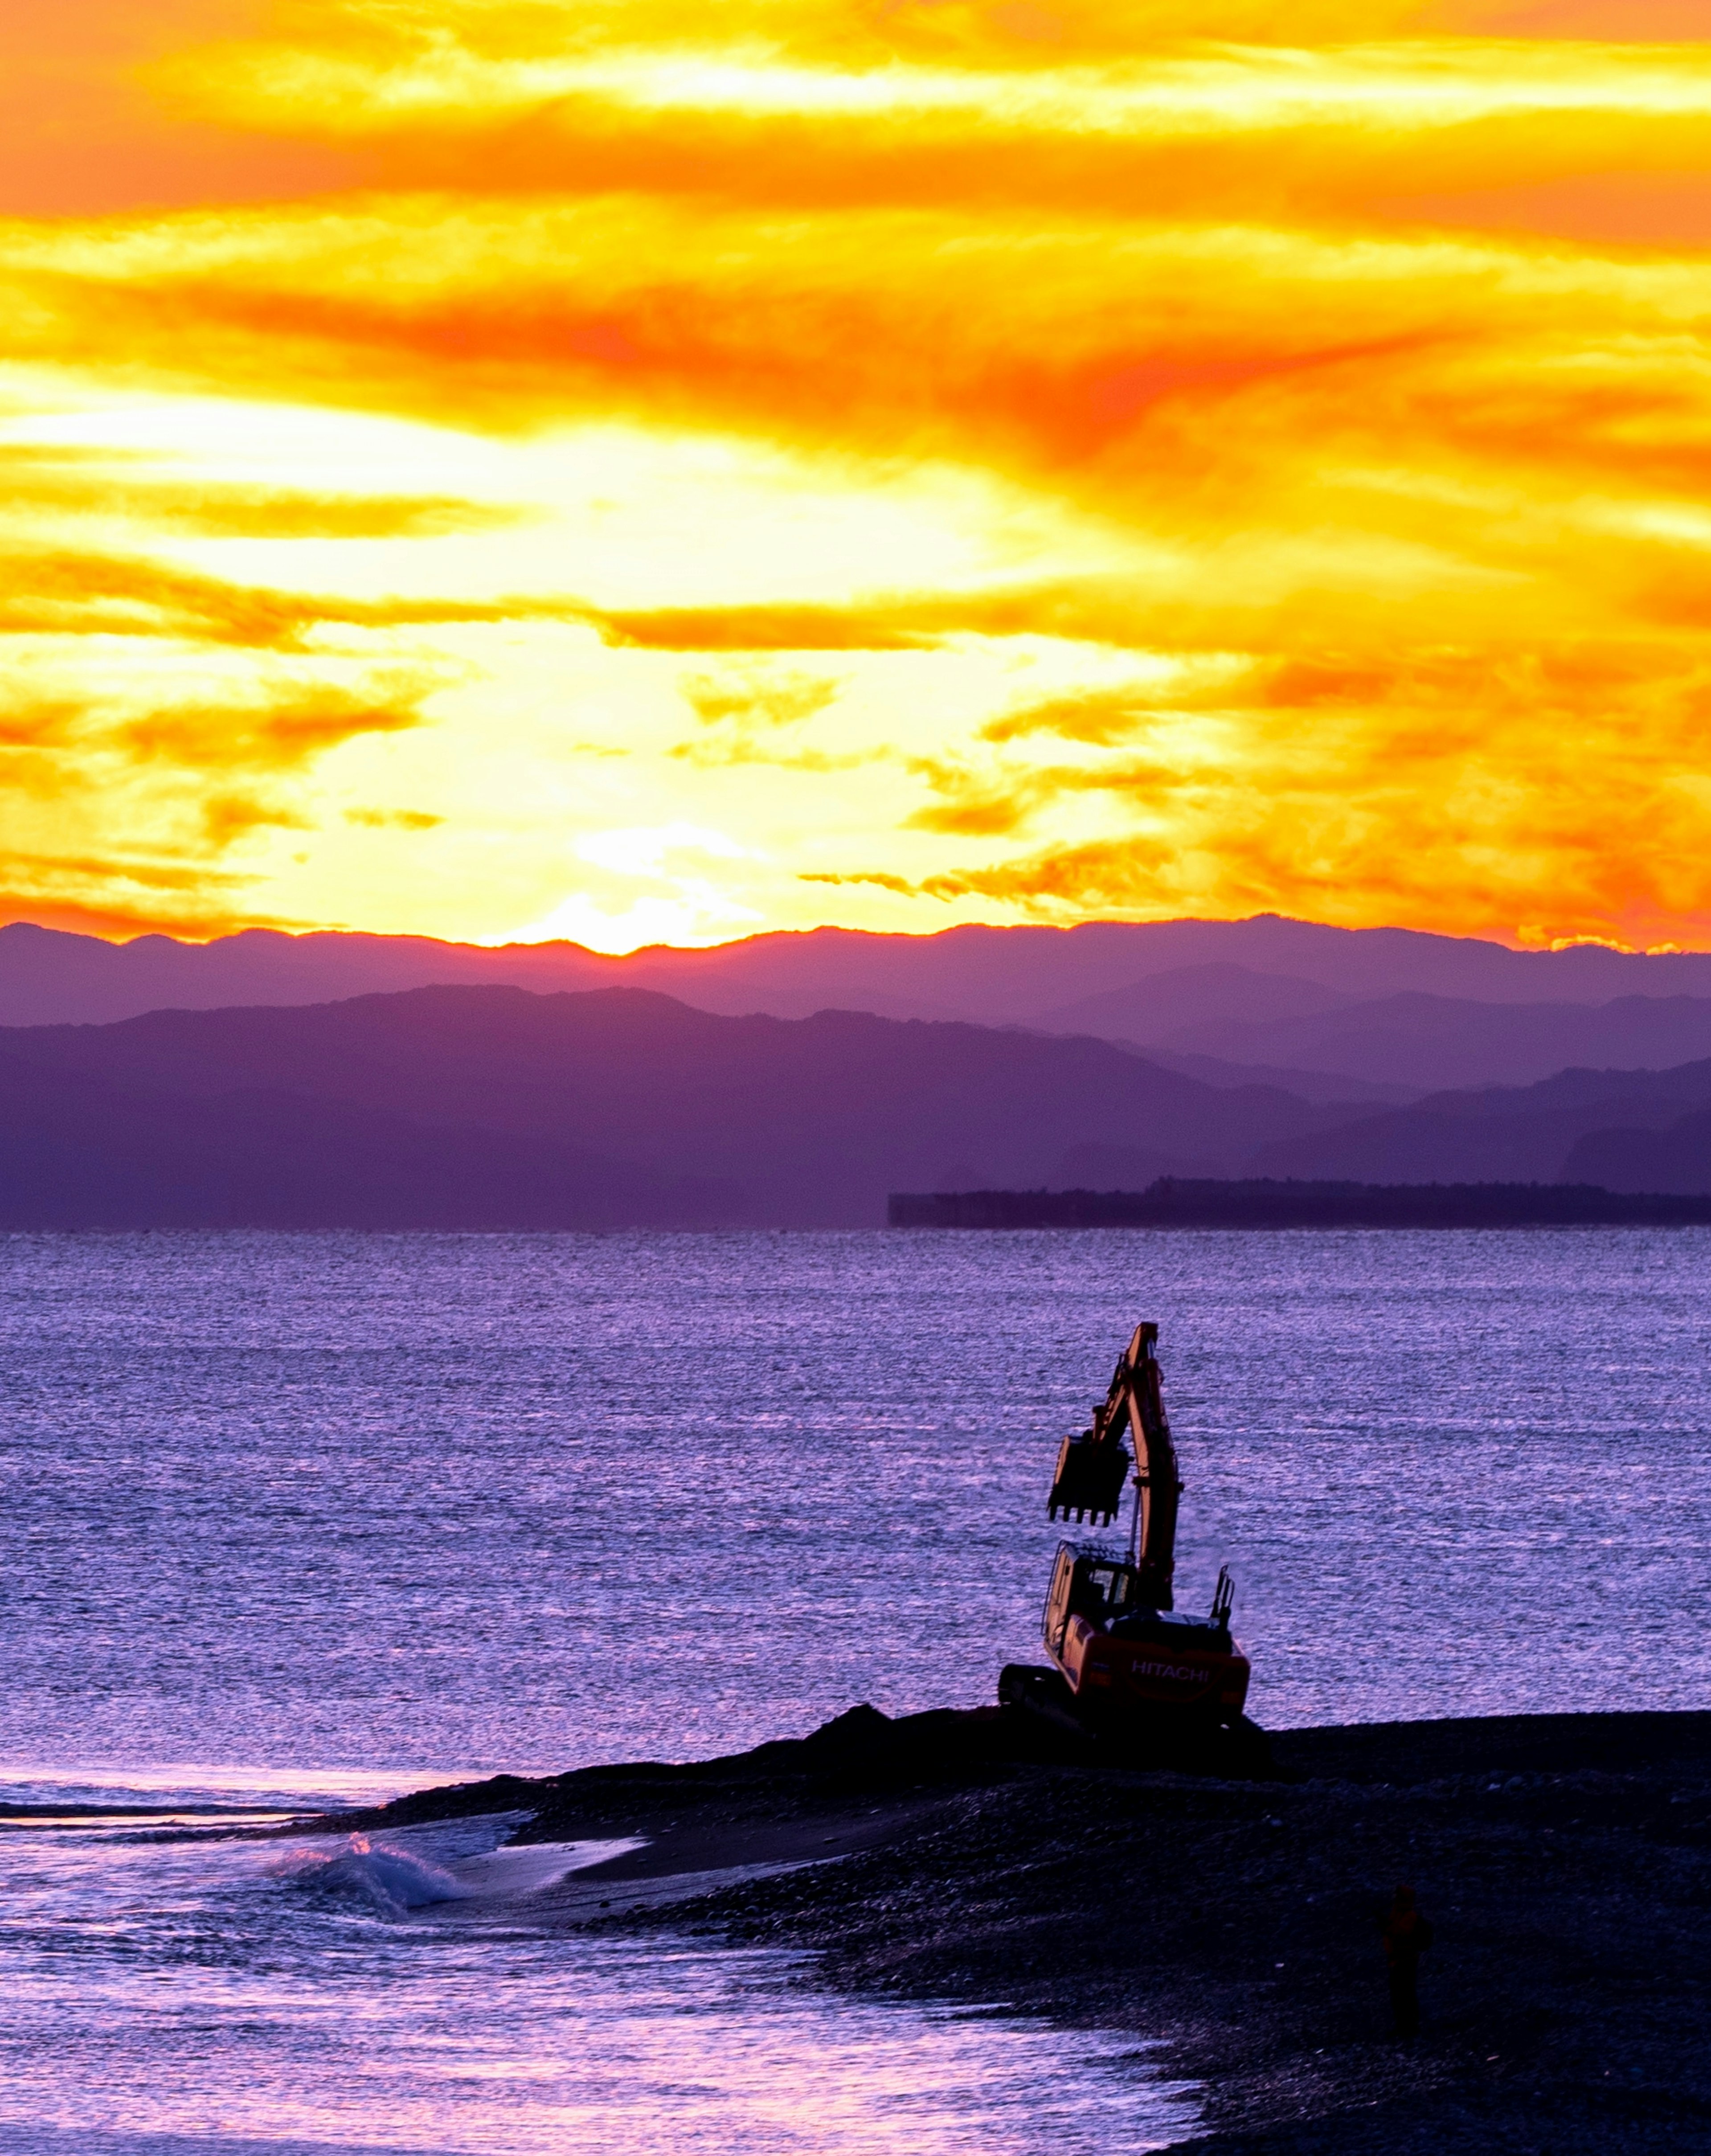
<point x="1564" y="1860"/>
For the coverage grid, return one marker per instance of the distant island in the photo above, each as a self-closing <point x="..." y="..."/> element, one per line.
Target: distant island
<point x="1173" y="1202"/>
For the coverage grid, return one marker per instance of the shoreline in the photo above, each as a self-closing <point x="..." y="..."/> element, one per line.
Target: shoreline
<point x="1564" y="1862"/>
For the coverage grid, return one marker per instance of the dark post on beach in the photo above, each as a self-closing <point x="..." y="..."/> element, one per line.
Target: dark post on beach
<point x="1406" y="1936"/>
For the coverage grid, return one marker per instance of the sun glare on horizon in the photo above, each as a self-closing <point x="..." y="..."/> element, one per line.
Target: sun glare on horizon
<point x="645" y="474"/>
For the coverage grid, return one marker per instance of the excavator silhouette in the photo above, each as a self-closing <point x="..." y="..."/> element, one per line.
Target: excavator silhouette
<point x="1128" y="1668"/>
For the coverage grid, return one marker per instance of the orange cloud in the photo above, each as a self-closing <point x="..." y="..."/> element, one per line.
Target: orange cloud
<point x="768" y="701"/>
<point x="753" y="714"/>
<point x="227" y="816"/>
<point x="176" y="789"/>
<point x="1094" y="716"/>
<point x="1457" y="795"/>
<point x="1101" y="457"/>
<point x="403" y="819"/>
<point x="110" y="894"/>
<point x="758" y="629"/>
<point x="81" y="484"/>
<point x="81" y="133"/>
<point x="278" y="736"/>
<point x="76" y="592"/>
<point x="1612" y="21"/>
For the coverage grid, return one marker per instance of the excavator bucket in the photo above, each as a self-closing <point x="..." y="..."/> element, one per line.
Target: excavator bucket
<point x="1090" y="1478"/>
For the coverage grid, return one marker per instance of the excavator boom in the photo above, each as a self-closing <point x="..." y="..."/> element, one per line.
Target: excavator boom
<point x="1092" y="1468"/>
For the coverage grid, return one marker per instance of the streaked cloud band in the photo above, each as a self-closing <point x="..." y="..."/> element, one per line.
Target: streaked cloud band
<point x="957" y="462"/>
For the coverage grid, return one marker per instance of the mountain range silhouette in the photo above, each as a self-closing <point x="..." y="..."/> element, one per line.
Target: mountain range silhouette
<point x="470" y="1105"/>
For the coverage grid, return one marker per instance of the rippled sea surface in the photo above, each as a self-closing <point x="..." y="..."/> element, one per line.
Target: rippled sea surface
<point x="169" y="1995"/>
<point x="288" y="1516"/>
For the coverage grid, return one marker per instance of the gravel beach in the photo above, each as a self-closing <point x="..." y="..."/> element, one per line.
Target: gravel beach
<point x="1565" y="1862"/>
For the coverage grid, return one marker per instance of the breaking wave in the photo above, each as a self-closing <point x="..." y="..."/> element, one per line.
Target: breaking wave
<point x="392" y="1881"/>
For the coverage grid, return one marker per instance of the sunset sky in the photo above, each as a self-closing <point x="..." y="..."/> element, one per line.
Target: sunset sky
<point x="639" y="471"/>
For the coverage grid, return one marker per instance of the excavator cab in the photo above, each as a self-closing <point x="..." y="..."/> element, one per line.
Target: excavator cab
<point x="1089" y="1581"/>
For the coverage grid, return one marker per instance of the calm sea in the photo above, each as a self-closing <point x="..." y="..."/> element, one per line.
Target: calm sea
<point x="289" y="1516"/>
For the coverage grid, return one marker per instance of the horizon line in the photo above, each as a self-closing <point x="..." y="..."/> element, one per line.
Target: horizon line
<point x="301" y="934"/>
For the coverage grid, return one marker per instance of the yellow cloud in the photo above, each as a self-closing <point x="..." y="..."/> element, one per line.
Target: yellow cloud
<point x="981" y="461"/>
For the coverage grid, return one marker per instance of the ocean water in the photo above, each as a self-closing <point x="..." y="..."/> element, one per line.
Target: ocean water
<point x="295" y="1517"/>
<point x="175" y="1995"/>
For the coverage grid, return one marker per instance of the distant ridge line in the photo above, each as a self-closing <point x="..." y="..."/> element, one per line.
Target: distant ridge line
<point x="1173" y="1202"/>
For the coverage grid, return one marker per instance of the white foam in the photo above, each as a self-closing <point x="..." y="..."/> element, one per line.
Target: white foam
<point x="532" y="1867"/>
<point x="392" y="1880"/>
<point x="444" y="1860"/>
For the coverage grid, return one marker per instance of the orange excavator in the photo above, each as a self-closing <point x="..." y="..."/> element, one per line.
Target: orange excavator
<point x="1127" y="1664"/>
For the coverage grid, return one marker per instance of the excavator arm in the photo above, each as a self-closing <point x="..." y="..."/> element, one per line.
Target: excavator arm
<point x="1093" y="1468"/>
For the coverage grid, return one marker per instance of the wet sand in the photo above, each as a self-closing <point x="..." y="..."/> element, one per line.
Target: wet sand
<point x="1565" y="1862"/>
